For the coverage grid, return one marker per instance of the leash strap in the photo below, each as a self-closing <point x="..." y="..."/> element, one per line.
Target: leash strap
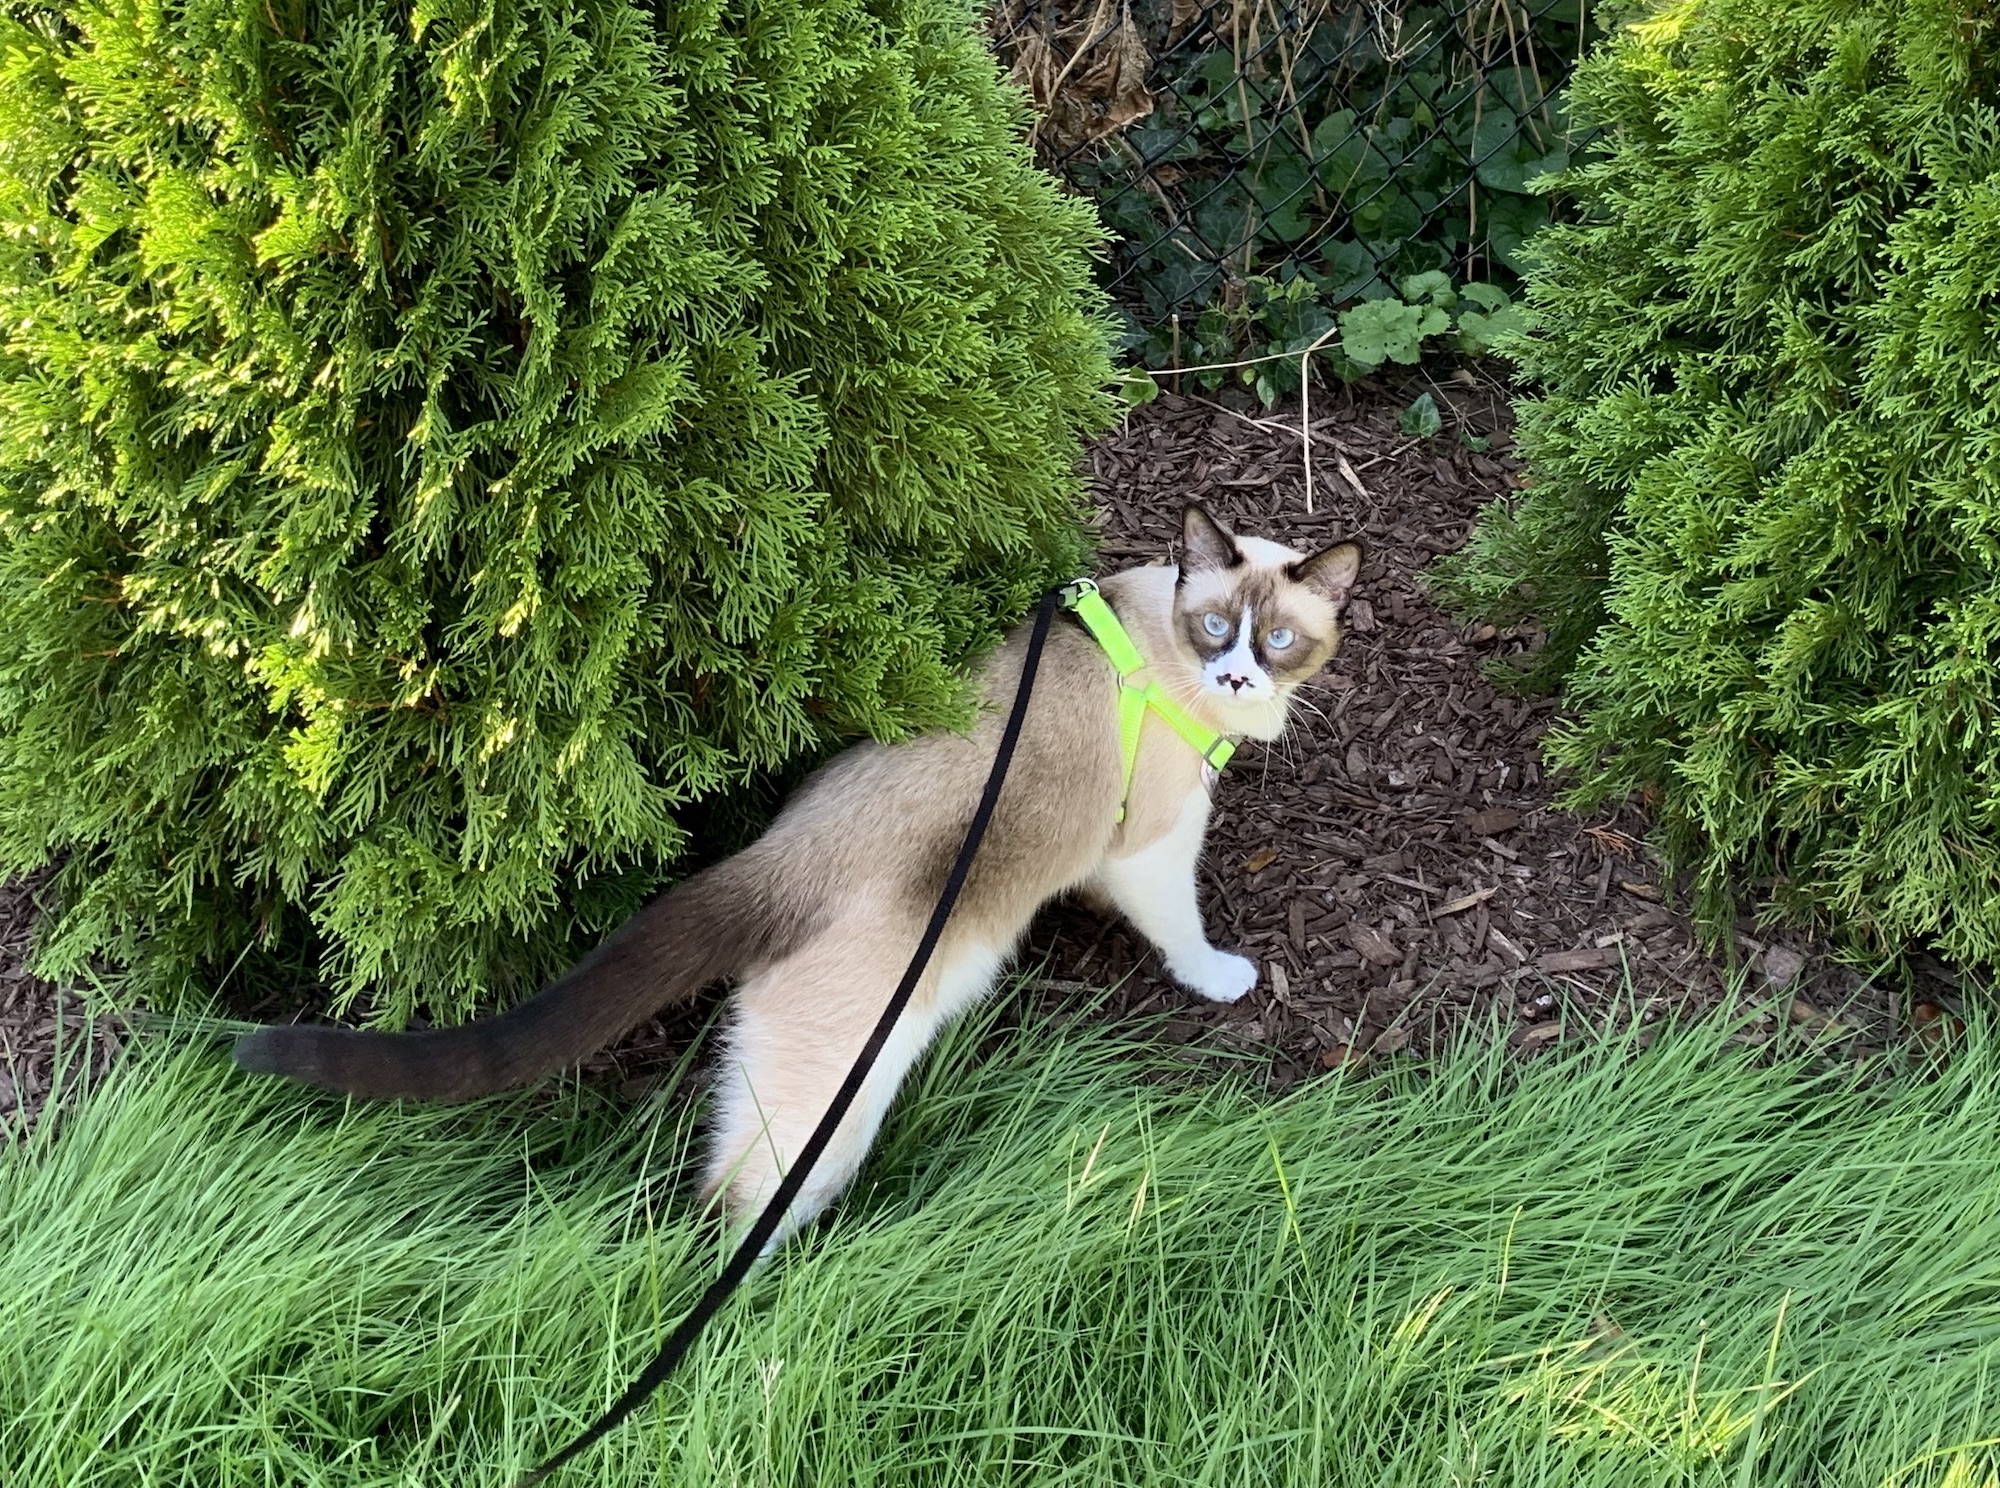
<point x="1136" y="699"/>
<point x="689" y="1328"/>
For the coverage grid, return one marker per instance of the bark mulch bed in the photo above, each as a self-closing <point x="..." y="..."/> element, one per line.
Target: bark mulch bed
<point x="1396" y="863"/>
<point x="42" y="1027"/>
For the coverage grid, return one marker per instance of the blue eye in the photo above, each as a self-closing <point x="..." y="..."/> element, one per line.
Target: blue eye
<point x="1278" y="639"/>
<point x="1215" y="625"/>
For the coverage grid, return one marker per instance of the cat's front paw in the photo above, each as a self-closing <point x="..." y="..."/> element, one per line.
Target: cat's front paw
<point x="1218" y="976"/>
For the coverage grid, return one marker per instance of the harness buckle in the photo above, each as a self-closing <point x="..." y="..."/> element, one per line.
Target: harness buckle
<point x="1071" y="594"/>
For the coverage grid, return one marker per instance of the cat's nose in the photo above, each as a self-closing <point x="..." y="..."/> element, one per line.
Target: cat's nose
<point x="1236" y="683"/>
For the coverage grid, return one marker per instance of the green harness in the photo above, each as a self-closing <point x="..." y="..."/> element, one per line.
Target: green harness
<point x="1136" y="699"/>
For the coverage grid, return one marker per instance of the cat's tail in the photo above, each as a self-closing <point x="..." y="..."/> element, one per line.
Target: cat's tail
<point x="706" y="927"/>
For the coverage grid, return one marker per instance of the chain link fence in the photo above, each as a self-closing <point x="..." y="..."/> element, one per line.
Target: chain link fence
<point x="1334" y="147"/>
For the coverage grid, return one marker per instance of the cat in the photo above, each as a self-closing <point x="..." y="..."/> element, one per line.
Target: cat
<point x="817" y="918"/>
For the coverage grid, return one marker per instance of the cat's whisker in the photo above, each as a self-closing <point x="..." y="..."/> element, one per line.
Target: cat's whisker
<point x="1300" y="700"/>
<point x="1184" y="689"/>
<point x="1284" y="745"/>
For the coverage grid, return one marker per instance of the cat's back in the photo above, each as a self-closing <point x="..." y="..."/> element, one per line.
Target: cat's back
<point x="909" y="802"/>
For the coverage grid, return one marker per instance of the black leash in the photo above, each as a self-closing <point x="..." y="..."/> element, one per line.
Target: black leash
<point x="682" y="1338"/>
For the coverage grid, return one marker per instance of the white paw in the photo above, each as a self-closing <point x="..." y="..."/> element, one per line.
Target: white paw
<point x="1218" y="976"/>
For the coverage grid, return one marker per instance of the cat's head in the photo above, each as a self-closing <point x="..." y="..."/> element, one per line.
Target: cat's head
<point x="1256" y="618"/>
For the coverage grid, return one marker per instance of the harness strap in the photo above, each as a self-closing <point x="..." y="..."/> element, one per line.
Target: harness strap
<point x="1137" y="699"/>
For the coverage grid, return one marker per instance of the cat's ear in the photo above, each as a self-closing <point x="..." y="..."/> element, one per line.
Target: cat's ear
<point x="1205" y="542"/>
<point x="1329" y="573"/>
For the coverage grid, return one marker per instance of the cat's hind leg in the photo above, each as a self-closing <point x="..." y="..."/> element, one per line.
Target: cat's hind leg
<point x="795" y="1029"/>
<point x="1154" y="889"/>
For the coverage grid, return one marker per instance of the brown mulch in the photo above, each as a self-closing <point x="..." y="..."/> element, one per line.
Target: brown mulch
<point x="1396" y="863"/>
<point x="42" y="1027"/>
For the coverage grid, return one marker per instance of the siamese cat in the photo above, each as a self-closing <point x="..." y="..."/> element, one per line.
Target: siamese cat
<point x="817" y="919"/>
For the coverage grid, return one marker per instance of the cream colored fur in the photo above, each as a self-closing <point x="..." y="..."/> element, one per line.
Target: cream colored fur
<point x="869" y="839"/>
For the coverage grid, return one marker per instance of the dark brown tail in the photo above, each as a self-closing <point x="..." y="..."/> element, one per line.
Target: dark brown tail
<point x="713" y="924"/>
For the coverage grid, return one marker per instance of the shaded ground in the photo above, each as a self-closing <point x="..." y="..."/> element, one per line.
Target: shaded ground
<point x="1396" y="863"/>
<point x="39" y="1024"/>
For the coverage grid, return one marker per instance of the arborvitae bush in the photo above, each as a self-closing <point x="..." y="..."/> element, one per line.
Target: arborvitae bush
<point x="441" y="445"/>
<point x="1763" y="528"/>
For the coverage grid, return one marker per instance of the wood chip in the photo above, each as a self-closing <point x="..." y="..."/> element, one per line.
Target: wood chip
<point x="1392" y="1039"/>
<point x="1411" y="883"/>
<point x="1639" y="890"/>
<point x="1281" y="983"/>
<point x="1477" y="896"/>
<point x="1781" y="966"/>
<point x="1372" y="945"/>
<point x="1347" y="474"/>
<point x="1823" y="1025"/>
<point x="1497" y="819"/>
<point x="1583" y="960"/>
<point x="1259" y="860"/>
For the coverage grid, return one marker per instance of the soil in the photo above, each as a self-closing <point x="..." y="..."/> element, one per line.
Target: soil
<point x="1396" y="864"/>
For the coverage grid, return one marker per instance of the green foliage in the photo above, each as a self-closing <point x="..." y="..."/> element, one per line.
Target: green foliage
<point x="1287" y="319"/>
<point x="1365" y="145"/>
<point x="1493" y="321"/>
<point x="1764" y="527"/>
<point x="1412" y="131"/>
<point x="1378" y="331"/>
<point x="440" y="448"/>
<point x="1136" y="388"/>
<point x="1690" y="1265"/>
<point x="1421" y="418"/>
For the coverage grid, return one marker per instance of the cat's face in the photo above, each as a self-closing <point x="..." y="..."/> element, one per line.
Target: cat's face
<point x="1257" y="618"/>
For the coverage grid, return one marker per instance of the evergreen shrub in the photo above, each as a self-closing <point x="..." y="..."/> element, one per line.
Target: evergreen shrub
<point x="1763" y="529"/>
<point x="443" y="445"/>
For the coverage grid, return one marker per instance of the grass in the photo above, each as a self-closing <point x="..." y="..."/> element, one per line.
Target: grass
<point x="1608" y="1267"/>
